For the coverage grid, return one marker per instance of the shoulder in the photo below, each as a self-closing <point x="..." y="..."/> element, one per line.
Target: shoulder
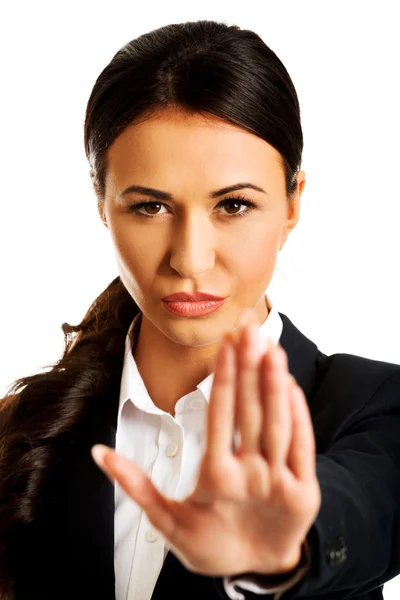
<point x="353" y="393"/>
<point x="360" y="370"/>
<point x="358" y="374"/>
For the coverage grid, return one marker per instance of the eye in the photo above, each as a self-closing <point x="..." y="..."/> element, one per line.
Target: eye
<point x="135" y="208"/>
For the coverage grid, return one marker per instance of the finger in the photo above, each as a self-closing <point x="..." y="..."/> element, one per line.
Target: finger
<point x="277" y="409"/>
<point x="138" y="486"/>
<point x="248" y="393"/>
<point x="221" y="408"/>
<point x="302" y="451"/>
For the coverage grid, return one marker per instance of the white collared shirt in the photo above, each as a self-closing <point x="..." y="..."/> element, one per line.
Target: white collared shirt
<point x="169" y="450"/>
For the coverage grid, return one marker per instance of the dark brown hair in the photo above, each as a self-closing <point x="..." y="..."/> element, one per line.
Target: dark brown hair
<point x="201" y="67"/>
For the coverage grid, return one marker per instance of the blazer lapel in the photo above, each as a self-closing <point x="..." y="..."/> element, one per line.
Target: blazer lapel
<point x="303" y="356"/>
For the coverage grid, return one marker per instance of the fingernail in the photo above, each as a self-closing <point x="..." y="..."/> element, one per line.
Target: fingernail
<point x="229" y="337"/>
<point x="226" y="340"/>
<point x="98" y="452"/>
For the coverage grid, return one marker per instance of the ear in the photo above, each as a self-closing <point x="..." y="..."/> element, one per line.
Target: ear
<point x="100" y="203"/>
<point x="293" y="208"/>
<point x="100" y="208"/>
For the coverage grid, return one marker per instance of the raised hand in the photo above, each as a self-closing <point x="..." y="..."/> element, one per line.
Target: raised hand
<point x="252" y="505"/>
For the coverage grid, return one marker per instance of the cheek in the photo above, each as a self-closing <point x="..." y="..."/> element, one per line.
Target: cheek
<point x="136" y="259"/>
<point x="256" y="254"/>
<point x="134" y="247"/>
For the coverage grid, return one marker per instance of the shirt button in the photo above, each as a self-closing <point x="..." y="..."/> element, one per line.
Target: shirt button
<point x="151" y="535"/>
<point x="195" y="404"/>
<point x="171" y="450"/>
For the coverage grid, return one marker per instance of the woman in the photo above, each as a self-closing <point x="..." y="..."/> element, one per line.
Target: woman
<point x="257" y="464"/>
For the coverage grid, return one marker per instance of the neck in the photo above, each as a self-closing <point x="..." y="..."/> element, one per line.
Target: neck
<point x="170" y="370"/>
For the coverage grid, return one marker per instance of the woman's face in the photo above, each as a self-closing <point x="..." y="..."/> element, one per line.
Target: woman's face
<point x="194" y="242"/>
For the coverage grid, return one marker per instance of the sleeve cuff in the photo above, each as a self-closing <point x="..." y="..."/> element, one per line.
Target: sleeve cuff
<point x="267" y="584"/>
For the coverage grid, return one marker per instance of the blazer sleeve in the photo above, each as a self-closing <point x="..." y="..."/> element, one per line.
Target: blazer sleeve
<point x="354" y="542"/>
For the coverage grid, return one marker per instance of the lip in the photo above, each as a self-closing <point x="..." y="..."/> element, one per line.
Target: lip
<point x="196" y="297"/>
<point x="193" y="309"/>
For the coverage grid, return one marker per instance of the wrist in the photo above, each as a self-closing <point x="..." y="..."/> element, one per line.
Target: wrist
<point x="278" y="582"/>
<point x="288" y="568"/>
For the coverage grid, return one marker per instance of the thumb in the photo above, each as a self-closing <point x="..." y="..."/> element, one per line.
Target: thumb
<point x="137" y="485"/>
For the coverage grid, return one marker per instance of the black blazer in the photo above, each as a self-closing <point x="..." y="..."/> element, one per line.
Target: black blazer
<point x="68" y="552"/>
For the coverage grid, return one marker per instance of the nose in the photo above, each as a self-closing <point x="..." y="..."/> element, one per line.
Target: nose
<point x="192" y="248"/>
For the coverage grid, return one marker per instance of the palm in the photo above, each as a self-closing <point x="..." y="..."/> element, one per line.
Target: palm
<point x="225" y="526"/>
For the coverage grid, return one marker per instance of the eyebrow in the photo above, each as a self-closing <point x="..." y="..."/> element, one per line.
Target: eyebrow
<point x="160" y="195"/>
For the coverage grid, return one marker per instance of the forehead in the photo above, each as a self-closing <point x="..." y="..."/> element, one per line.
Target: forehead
<point x="175" y="144"/>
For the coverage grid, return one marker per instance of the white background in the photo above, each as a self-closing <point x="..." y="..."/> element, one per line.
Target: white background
<point x="340" y="285"/>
